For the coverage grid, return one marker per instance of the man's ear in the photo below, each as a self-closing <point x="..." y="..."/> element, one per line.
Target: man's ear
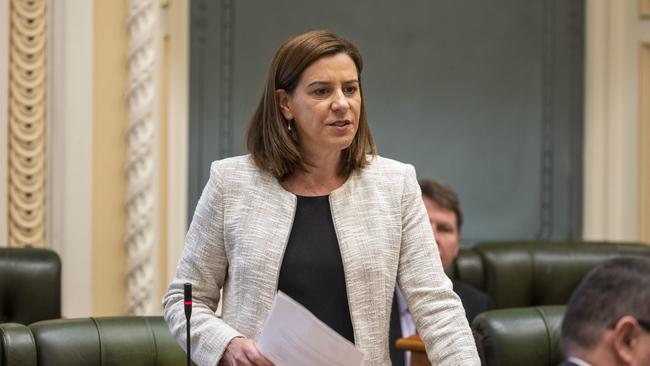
<point x="626" y="338"/>
<point x="284" y="101"/>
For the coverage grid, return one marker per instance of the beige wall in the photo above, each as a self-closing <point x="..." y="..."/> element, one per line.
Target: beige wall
<point x="4" y="125"/>
<point x="613" y="179"/>
<point x="644" y="144"/>
<point x="109" y="157"/>
<point x="643" y="30"/>
<point x="164" y="163"/>
<point x="110" y="148"/>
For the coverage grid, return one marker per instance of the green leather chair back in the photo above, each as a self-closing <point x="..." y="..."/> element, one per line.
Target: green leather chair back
<point x="109" y="341"/>
<point x="30" y="285"/>
<point x="520" y="336"/>
<point x="525" y="273"/>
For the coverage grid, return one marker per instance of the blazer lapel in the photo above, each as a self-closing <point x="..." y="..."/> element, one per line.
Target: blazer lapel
<point x="265" y="231"/>
<point x="357" y="263"/>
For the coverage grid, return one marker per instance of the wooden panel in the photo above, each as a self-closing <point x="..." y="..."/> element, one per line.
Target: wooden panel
<point x="418" y="352"/>
<point x="644" y="143"/>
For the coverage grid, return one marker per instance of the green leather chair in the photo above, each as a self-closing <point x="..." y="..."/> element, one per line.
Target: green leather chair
<point x="519" y="336"/>
<point x="30" y="285"/>
<point x="530" y="273"/>
<point x="107" y="341"/>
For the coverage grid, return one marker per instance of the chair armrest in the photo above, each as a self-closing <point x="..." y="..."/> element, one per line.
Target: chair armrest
<point x="520" y="336"/>
<point x="17" y="346"/>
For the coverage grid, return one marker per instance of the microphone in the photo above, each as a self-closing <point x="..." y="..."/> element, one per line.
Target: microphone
<point x="188" y="314"/>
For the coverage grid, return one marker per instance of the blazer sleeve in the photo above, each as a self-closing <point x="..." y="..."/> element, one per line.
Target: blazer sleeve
<point x="437" y="310"/>
<point x="204" y="264"/>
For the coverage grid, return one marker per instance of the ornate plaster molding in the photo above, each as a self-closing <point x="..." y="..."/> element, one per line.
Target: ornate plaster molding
<point x="27" y="112"/>
<point x="141" y="157"/>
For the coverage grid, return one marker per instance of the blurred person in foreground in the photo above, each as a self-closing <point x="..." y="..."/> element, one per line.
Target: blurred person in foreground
<point x="312" y="211"/>
<point x="446" y="219"/>
<point x="607" y="320"/>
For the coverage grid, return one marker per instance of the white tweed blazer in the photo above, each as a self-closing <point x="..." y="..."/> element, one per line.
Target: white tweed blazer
<point x="236" y="242"/>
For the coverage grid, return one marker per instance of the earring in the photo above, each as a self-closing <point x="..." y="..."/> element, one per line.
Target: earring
<point x="289" y="126"/>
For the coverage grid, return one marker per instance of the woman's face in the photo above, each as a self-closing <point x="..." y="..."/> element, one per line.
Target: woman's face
<point x="325" y="105"/>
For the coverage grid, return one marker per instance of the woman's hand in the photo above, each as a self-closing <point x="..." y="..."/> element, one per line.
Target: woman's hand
<point x="243" y="352"/>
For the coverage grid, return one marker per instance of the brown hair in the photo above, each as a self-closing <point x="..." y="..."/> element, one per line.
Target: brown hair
<point x="444" y="196"/>
<point x="272" y="146"/>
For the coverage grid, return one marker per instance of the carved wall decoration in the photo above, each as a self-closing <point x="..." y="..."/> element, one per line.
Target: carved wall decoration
<point x="140" y="200"/>
<point x="27" y="130"/>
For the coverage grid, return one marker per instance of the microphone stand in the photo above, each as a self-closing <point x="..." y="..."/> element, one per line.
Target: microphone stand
<point x="188" y="314"/>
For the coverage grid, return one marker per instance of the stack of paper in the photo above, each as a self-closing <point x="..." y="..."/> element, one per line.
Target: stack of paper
<point x="293" y="336"/>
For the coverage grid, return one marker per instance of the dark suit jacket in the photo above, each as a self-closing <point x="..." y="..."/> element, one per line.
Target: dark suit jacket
<point x="474" y="301"/>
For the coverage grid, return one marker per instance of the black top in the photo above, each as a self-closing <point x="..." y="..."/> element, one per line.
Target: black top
<point x="312" y="269"/>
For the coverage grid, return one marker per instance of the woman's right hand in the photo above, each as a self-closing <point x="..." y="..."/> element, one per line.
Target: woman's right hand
<point x="243" y="352"/>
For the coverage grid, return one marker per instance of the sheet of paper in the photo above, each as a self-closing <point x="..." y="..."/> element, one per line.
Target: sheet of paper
<point x="293" y="336"/>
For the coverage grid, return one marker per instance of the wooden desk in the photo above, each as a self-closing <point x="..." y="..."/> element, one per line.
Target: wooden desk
<point x="415" y="345"/>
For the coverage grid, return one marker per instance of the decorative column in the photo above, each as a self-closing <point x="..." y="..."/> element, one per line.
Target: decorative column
<point x="27" y="111"/>
<point x="141" y="142"/>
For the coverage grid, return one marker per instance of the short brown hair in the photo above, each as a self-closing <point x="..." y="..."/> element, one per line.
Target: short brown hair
<point x="444" y="196"/>
<point x="272" y="146"/>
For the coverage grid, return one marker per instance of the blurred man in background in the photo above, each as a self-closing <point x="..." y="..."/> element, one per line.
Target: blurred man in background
<point x="446" y="218"/>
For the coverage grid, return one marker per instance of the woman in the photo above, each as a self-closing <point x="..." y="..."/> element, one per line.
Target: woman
<point x="312" y="211"/>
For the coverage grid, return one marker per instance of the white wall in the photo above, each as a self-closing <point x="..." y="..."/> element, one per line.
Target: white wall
<point x="70" y="145"/>
<point x="177" y="29"/>
<point x="611" y="120"/>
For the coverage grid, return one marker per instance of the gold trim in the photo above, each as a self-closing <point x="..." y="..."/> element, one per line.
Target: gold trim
<point x="644" y="143"/>
<point x="27" y="111"/>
